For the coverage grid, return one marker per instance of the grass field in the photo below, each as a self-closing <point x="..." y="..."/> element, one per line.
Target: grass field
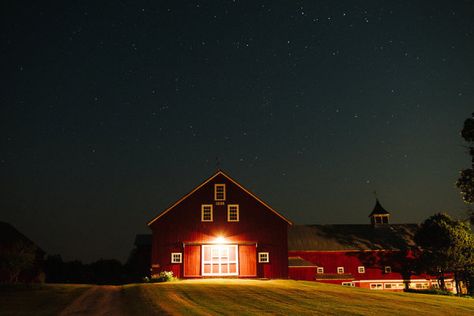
<point x="38" y="299"/>
<point x="231" y="297"/>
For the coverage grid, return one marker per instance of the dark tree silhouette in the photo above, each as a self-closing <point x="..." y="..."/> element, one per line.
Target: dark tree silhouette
<point x="17" y="258"/>
<point x="448" y="247"/>
<point x="466" y="179"/>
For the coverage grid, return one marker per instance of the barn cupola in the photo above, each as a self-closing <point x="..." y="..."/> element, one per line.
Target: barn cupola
<point x="379" y="215"/>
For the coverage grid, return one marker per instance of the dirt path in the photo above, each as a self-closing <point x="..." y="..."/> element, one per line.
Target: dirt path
<point x="99" y="300"/>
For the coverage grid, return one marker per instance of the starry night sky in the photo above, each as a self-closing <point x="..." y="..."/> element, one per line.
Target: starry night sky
<point x="112" y="111"/>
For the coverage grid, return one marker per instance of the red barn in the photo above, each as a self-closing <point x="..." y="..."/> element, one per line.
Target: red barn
<point x="378" y="256"/>
<point x="220" y="229"/>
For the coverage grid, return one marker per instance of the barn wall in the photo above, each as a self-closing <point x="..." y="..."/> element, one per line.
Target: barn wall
<point x="373" y="261"/>
<point x="302" y="273"/>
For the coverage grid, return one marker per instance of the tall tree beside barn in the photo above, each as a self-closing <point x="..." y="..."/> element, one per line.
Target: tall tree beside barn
<point x="466" y="180"/>
<point x="448" y="247"/>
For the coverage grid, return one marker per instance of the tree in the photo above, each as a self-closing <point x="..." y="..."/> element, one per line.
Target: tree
<point x="466" y="179"/>
<point x="447" y="247"/>
<point x="16" y="258"/>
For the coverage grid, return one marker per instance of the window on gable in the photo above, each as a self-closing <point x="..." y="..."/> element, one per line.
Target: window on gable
<point x="219" y="192"/>
<point x="176" y="257"/>
<point x="233" y="213"/>
<point x="320" y="270"/>
<point x="361" y="269"/>
<point x="263" y="257"/>
<point x="206" y="213"/>
<point x="340" y="270"/>
<point x="388" y="269"/>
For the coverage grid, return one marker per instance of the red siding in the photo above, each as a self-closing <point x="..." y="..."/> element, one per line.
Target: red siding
<point x="302" y="273"/>
<point x="374" y="263"/>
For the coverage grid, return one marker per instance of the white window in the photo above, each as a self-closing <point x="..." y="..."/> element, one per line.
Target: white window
<point x="388" y="269"/>
<point x="263" y="257"/>
<point x="206" y="213"/>
<point x="361" y="269"/>
<point x="233" y="213"/>
<point x="376" y="286"/>
<point x="219" y="192"/>
<point x="348" y="284"/>
<point x="176" y="257"/>
<point x="320" y="270"/>
<point x="340" y="270"/>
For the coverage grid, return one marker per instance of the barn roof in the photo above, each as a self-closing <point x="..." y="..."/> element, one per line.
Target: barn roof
<point x="351" y="237"/>
<point x="9" y="235"/>
<point x="299" y="262"/>
<point x="220" y="172"/>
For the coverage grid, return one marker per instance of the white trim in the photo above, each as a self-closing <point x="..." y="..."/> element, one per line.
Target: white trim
<point x="265" y="259"/>
<point x="319" y="270"/>
<point x="340" y="270"/>
<point x="237" y="208"/>
<point x="221" y="259"/>
<point x="202" y="212"/>
<point x="179" y="255"/>
<point x="219" y="185"/>
<point x="396" y="280"/>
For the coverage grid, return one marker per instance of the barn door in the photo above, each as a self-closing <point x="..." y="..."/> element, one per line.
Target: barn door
<point x="219" y="260"/>
<point x="192" y="261"/>
<point x="248" y="260"/>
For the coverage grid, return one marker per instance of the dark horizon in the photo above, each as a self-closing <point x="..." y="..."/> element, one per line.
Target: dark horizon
<point x="113" y="111"/>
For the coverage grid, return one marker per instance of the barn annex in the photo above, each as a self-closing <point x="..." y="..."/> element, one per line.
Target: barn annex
<point x="220" y="229"/>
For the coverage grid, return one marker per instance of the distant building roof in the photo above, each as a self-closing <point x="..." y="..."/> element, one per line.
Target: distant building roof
<point x="378" y="209"/>
<point x="351" y="237"/>
<point x="142" y="240"/>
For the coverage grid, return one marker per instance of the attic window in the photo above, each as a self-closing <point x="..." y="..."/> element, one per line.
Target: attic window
<point x="219" y="192"/>
<point x="361" y="269"/>
<point x="233" y="213"/>
<point x="320" y="270"/>
<point x="340" y="270"/>
<point x="206" y="213"/>
<point x="388" y="269"/>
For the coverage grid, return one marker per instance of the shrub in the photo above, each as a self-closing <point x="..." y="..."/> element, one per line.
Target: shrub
<point x="430" y="291"/>
<point x="163" y="276"/>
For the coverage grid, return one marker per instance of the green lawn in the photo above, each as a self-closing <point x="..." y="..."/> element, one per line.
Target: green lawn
<point x="230" y="297"/>
<point x="254" y="297"/>
<point x="48" y="299"/>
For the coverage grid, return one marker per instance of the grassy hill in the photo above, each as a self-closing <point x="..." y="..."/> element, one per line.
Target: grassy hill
<point x="230" y="297"/>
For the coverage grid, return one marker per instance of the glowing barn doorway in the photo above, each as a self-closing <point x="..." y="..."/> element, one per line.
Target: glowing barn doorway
<point x="219" y="260"/>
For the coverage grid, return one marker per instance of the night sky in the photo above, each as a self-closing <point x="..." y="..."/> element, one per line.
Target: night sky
<point x="112" y="111"/>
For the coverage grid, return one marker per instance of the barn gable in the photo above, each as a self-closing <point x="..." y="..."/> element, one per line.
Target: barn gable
<point x="219" y="174"/>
